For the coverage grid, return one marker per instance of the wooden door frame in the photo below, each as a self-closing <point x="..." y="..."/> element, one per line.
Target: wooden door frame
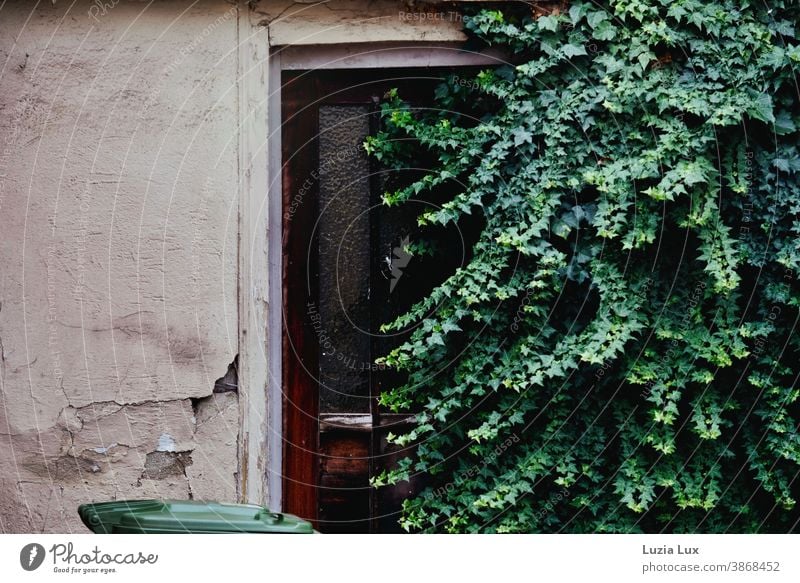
<point x="261" y="438"/>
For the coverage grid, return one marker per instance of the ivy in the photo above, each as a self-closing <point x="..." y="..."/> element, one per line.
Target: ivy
<point x="618" y="354"/>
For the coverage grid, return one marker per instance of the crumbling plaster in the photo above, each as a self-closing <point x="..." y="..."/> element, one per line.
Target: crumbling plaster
<point x="118" y="213"/>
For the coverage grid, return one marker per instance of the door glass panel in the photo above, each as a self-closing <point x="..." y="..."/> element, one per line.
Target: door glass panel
<point x="344" y="260"/>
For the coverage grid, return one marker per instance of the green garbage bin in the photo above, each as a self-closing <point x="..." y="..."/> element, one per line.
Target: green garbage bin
<point x="188" y="517"/>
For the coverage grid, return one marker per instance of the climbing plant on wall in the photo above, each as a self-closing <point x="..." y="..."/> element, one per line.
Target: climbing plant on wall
<point x="619" y="351"/>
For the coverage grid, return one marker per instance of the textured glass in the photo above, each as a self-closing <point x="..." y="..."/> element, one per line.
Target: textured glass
<point x="344" y="260"/>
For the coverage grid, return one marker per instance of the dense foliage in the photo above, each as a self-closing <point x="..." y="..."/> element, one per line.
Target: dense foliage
<point x="618" y="354"/>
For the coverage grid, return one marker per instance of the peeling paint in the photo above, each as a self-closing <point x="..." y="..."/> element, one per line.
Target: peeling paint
<point x="166" y="443"/>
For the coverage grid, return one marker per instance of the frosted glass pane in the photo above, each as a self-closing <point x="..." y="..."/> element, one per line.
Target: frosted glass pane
<point x="344" y="260"/>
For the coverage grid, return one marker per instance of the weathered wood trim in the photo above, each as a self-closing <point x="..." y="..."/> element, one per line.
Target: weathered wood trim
<point x="275" y="315"/>
<point x="253" y="290"/>
<point x="300" y="463"/>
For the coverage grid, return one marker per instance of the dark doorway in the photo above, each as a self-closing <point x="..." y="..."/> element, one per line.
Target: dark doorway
<point x="346" y="272"/>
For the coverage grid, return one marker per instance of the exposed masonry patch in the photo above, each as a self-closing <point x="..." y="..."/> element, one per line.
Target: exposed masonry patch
<point x="163" y="464"/>
<point x="68" y="468"/>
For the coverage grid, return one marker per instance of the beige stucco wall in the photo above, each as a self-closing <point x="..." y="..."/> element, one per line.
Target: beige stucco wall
<point x="118" y="251"/>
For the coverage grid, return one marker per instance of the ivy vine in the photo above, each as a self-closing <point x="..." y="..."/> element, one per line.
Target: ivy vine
<point x="619" y="352"/>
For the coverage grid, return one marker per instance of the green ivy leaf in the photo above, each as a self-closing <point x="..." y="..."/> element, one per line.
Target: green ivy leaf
<point x="574" y="50"/>
<point x="548" y="23"/>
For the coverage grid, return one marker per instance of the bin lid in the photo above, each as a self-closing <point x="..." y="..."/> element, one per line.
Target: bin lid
<point x="187" y="516"/>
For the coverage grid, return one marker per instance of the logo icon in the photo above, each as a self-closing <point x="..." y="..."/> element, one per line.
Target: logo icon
<point x="399" y="261"/>
<point x="31" y="556"/>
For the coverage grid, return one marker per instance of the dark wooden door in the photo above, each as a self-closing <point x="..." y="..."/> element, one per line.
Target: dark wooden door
<point x="344" y="262"/>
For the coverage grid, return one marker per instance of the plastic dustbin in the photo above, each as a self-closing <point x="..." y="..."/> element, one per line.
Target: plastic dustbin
<point x="187" y="517"/>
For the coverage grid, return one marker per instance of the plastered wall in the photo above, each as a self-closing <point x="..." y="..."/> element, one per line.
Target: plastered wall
<point x="118" y="255"/>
